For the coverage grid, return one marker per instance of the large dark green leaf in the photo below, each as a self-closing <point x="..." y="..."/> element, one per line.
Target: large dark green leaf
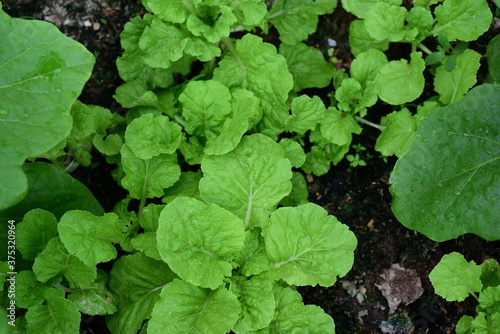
<point x="448" y="183"/>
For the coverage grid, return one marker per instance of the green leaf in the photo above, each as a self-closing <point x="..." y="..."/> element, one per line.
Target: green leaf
<point x="387" y="22"/>
<point x="211" y="22"/>
<point x="491" y="273"/>
<point x="338" y="127"/>
<point x="253" y="258"/>
<point x="35" y="232"/>
<point x="400" y="73"/>
<point x="148" y="178"/>
<point x="448" y="183"/>
<point x="464" y="20"/>
<point x="293" y="152"/>
<point x="42" y="72"/>
<point x="171" y="10"/>
<point x="307" y="112"/>
<point x="137" y="279"/>
<point x="146" y="241"/>
<point x="198" y="241"/>
<point x="90" y="238"/>
<point x="489" y="300"/>
<point x="493" y="56"/>
<point x="205" y="106"/>
<point x="317" y="161"/>
<point x="184" y="307"/>
<point x="452" y="85"/>
<point x="360" y="8"/>
<point x="307" y="66"/>
<point x="399" y="133"/>
<point x="149" y="136"/>
<point x="464" y="325"/>
<point x="292" y="313"/>
<point x="299" y="193"/>
<point x="52" y="189"/>
<point x="486" y="323"/>
<point x="30" y="292"/>
<point x="249" y="181"/>
<point x="367" y="65"/>
<point x="454" y="278"/>
<point x="352" y="97"/>
<point x="420" y="19"/>
<point x="435" y="57"/>
<point x="257" y="303"/>
<point x="109" y="146"/>
<point x="250" y="13"/>
<point x="96" y="299"/>
<point x="186" y="186"/>
<point x="57" y="316"/>
<point x="308" y="246"/>
<point x="286" y="13"/>
<point x="360" y="40"/>
<point x="55" y="260"/>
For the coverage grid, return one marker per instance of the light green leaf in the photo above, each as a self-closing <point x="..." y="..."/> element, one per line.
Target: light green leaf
<point x="486" y="323"/>
<point x="463" y="20"/>
<point x="293" y="151"/>
<point x="137" y="279"/>
<point x="489" y="300"/>
<point x="293" y="316"/>
<point x="55" y="260"/>
<point x="397" y="74"/>
<point x="187" y="186"/>
<point x="253" y="258"/>
<point x="29" y="291"/>
<point x="307" y="112"/>
<point x="90" y="238"/>
<point x="172" y="10"/>
<point x="367" y="65"/>
<point x="464" y="325"/>
<point x="198" y="241"/>
<point x="201" y="49"/>
<point x="35" y="232"/>
<point x="149" y="136"/>
<point x="148" y="178"/>
<point x="387" y="22"/>
<point x="205" y="106"/>
<point x="308" y="246"/>
<point x="42" y="72"/>
<point x="299" y="193"/>
<point x="135" y="93"/>
<point x="184" y="307"/>
<point x="338" y="127"/>
<point x="360" y="40"/>
<point x="96" y="299"/>
<point x="111" y="145"/>
<point x="250" y="13"/>
<point x="448" y="183"/>
<point x="146" y="241"/>
<point x="257" y="303"/>
<point x="57" y="316"/>
<point x="360" y="8"/>
<point x="454" y="278"/>
<point x="491" y="273"/>
<point x="211" y="22"/>
<point x="399" y="133"/>
<point x="307" y="66"/>
<point x="421" y="19"/>
<point x="248" y="181"/>
<point x="454" y="84"/>
<point x="317" y="162"/>
<point x="354" y="98"/>
<point x="286" y="13"/>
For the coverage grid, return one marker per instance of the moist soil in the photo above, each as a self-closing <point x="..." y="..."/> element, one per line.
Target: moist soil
<point x="388" y="256"/>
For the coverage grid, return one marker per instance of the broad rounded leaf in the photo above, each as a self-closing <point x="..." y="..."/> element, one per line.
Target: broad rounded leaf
<point x="454" y="278"/>
<point x="35" y="232"/>
<point x="399" y="133"/>
<point x="248" y="181"/>
<point x="307" y="112"/>
<point x="400" y="82"/>
<point x="42" y="72"/>
<point x="198" y="241"/>
<point x="185" y="308"/>
<point x="361" y="7"/>
<point x="448" y="183"/>
<point x="308" y="246"/>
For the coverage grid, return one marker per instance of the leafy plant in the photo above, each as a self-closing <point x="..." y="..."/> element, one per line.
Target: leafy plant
<point x="455" y="279"/>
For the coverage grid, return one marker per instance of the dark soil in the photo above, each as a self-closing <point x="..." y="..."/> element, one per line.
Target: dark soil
<point x="358" y="197"/>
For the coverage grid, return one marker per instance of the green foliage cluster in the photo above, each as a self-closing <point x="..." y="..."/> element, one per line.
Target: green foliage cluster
<point x="217" y="134"/>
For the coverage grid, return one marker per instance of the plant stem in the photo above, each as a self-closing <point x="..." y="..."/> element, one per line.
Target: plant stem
<point x="424" y="48"/>
<point x="364" y="121"/>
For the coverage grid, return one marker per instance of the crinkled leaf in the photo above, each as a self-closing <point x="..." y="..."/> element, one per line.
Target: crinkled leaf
<point x="187" y="186"/>
<point x="88" y="237"/>
<point x="286" y="13"/>
<point x="57" y="316"/>
<point x="308" y="246"/>
<point x="111" y="145"/>
<point x="55" y="260"/>
<point x="454" y="278"/>
<point x="360" y="40"/>
<point x="361" y="7"/>
<point x="291" y="313"/>
<point x="400" y="73"/>
<point x="338" y="127"/>
<point x="211" y="22"/>
<point x="184" y="308"/>
<point x="42" y="72"/>
<point x="452" y="85"/>
<point x="149" y="136"/>
<point x="146" y="241"/>
<point x="148" y="178"/>
<point x="299" y="193"/>
<point x="486" y="323"/>
<point x="253" y="258"/>
<point x="250" y="13"/>
<point x="421" y="19"/>
<point x="135" y="93"/>
<point x="387" y="22"/>
<point x="491" y="273"/>
<point x="248" y="181"/>
<point x="367" y="65"/>
<point x="29" y="291"/>
<point x="352" y="97"/>
<point x="463" y="20"/>
<point x="293" y="152"/>
<point x="257" y="303"/>
<point x="448" y="183"/>
<point x="317" y="161"/>
<point x="489" y="300"/>
<point x="307" y="66"/>
<point x="198" y="241"/>
<point x="172" y="10"/>
<point x="307" y="112"/>
<point x="205" y="106"/>
<point x="96" y="299"/>
<point x="35" y="232"/>
<point x="464" y="325"/>
<point x="399" y="133"/>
